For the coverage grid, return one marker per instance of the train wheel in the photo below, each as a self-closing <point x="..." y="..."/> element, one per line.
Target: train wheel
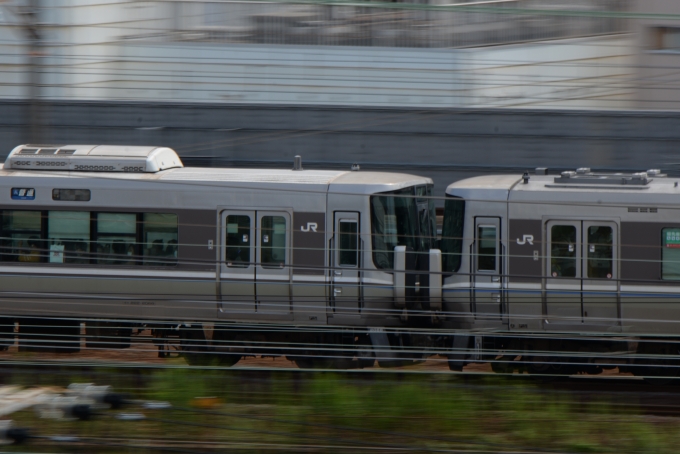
<point x="660" y="374"/>
<point x="313" y="363"/>
<point x="538" y="366"/>
<point x="49" y="335"/>
<point x="503" y="364"/>
<point x="102" y="335"/>
<point x="197" y="351"/>
<point x="659" y="365"/>
<point x="365" y="355"/>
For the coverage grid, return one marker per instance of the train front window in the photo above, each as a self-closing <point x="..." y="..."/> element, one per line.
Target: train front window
<point x="427" y="217"/>
<point x="452" y="234"/>
<point x="394" y="222"/>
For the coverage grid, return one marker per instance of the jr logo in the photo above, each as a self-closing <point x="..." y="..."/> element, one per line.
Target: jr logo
<point x="310" y="226"/>
<point x="526" y="239"/>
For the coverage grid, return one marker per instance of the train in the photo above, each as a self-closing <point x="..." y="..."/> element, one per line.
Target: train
<point x="552" y="274"/>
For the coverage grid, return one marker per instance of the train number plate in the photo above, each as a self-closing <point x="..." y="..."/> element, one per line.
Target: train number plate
<point x="23" y="194"/>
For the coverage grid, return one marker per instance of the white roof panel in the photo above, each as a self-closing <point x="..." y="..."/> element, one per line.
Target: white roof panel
<point x="92" y="158"/>
<point x="280" y="176"/>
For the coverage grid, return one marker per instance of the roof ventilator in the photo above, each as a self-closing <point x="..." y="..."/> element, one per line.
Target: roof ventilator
<point x="92" y="158"/>
<point x="585" y="176"/>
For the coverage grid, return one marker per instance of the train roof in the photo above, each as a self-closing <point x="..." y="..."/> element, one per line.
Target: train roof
<point x="163" y="165"/>
<point x="580" y="185"/>
<point x="333" y="181"/>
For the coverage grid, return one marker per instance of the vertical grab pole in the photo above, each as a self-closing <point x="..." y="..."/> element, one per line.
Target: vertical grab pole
<point x="400" y="277"/>
<point x="435" y="280"/>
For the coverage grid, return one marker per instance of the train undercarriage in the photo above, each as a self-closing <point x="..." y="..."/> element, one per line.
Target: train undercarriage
<point x="223" y="345"/>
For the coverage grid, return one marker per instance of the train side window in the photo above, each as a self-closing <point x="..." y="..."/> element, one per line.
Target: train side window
<point x="600" y="252"/>
<point x="670" y="254"/>
<point x="273" y="241"/>
<point x="563" y="251"/>
<point x="348" y="243"/>
<point x="238" y="241"/>
<point x="160" y="239"/>
<point x="68" y="237"/>
<point x="21" y="239"/>
<point x="116" y="239"/>
<point x="486" y="248"/>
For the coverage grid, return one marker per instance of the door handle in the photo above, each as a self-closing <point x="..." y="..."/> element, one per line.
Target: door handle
<point x="338" y="273"/>
<point x="495" y="279"/>
<point x="496" y="296"/>
<point x="337" y="290"/>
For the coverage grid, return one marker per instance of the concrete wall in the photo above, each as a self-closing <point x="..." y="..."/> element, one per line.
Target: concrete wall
<point x="445" y="144"/>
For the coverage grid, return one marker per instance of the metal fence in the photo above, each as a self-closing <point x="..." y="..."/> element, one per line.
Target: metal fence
<point x="420" y="25"/>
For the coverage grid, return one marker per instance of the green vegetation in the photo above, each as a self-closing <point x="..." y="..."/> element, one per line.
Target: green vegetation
<point x="322" y="412"/>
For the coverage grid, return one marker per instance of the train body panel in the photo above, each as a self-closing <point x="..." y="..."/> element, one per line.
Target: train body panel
<point x="167" y="243"/>
<point x="579" y="256"/>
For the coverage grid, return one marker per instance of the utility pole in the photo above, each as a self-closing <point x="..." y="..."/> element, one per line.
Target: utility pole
<point x="35" y="54"/>
<point x="30" y="22"/>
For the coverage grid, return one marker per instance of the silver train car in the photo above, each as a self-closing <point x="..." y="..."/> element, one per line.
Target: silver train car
<point x="552" y="274"/>
<point x="117" y="236"/>
<point x="569" y="273"/>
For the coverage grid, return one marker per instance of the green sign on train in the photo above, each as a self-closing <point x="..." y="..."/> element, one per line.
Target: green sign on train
<point x="672" y="238"/>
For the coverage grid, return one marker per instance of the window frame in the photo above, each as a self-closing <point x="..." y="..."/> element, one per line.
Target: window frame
<point x="663" y="248"/>
<point x="92" y="256"/>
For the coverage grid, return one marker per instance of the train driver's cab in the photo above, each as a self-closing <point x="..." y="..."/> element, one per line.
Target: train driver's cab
<point x="403" y="232"/>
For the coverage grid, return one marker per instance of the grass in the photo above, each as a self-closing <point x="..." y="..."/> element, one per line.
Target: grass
<point x="419" y="412"/>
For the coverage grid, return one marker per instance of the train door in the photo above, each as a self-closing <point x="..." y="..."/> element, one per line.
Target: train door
<point x="273" y="270"/>
<point x="237" y="263"/>
<point x="487" y="269"/>
<point x="582" y="283"/>
<point x="563" y="284"/>
<point x="600" y="273"/>
<point x="346" y="264"/>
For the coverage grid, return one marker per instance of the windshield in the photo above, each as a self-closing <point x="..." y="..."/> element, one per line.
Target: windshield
<point x="452" y="234"/>
<point x="402" y="218"/>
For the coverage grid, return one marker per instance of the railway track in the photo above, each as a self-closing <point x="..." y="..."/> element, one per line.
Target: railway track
<point x="144" y="353"/>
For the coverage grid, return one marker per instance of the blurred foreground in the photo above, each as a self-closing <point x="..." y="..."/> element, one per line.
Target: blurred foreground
<point x="277" y="411"/>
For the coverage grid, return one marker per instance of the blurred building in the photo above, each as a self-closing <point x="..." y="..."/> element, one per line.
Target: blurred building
<point x="658" y="54"/>
<point x="502" y="53"/>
